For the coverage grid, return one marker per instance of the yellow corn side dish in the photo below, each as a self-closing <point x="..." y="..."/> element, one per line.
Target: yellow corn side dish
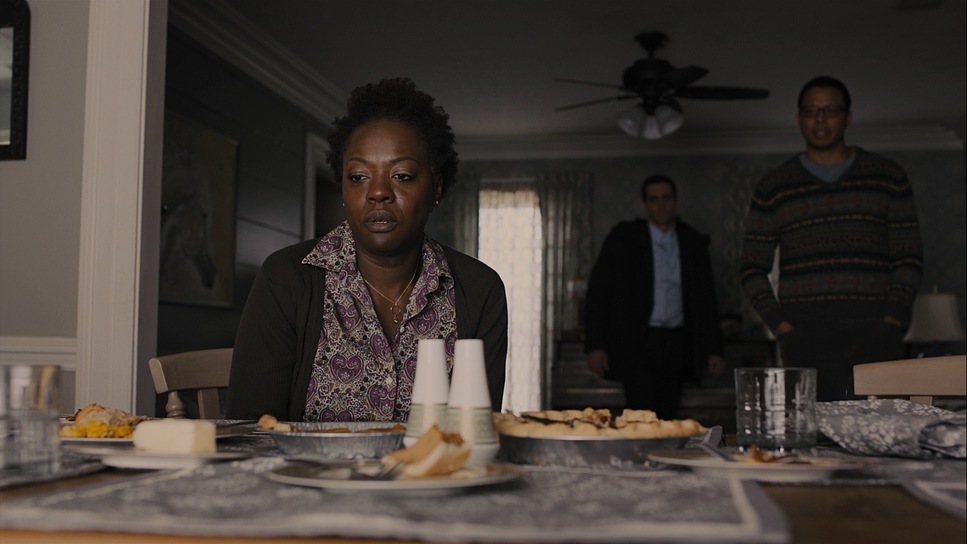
<point x="96" y="429"/>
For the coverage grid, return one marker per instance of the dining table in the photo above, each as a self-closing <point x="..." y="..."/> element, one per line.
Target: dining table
<point x="887" y="499"/>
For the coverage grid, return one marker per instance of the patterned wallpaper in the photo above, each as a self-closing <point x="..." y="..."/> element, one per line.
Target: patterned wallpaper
<point x="714" y="192"/>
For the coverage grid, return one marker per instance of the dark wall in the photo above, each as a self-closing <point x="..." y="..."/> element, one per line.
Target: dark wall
<point x="271" y="138"/>
<point x="714" y="193"/>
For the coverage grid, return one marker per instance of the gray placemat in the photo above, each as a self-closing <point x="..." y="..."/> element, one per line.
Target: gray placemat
<point x="546" y="505"/>
<point x="71" y="465"/>
<point x="877" y="470"/>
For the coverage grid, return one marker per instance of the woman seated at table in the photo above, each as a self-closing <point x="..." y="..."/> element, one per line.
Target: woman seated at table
<point x="331" y="326"/>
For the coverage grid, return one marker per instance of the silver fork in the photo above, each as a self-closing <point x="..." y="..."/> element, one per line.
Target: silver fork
<point x="389" y="471"/>
<point x="710" y="444"/>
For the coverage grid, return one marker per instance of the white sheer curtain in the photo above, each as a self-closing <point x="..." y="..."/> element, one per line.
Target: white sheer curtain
<point x="511" y="242"/>
<point x="566" y="205"/>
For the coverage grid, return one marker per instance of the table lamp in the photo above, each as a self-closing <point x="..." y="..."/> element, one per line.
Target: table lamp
<point x="935" y="322"/>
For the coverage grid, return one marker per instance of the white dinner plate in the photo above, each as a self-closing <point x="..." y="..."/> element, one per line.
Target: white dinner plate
<point x="810" y="467"/>
<point x="221" y="431"/>
<point x="97" y="441"/>
<point x="128" y="457"/>
<point x="338" y="479"/>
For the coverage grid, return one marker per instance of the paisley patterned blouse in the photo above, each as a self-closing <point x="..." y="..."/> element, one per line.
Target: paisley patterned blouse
<point x="359" y="374"/>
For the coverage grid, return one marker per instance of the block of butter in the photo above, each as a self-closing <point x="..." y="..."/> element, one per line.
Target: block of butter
<point x="175" y="436"/>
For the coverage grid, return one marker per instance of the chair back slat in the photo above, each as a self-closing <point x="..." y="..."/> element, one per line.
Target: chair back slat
<point x="202" y="372"/>
<point x="919" y="379"/>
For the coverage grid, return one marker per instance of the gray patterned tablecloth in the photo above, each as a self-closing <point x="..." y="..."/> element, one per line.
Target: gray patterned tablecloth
<point x="545" y="505"/>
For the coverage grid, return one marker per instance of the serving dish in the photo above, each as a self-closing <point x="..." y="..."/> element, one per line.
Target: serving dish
<point x="365" y="440"/>
<point x="129" y="457"/>
<point x="807" y="468"/>
<point x="97" y="441"/>
<point x="583" y="451"/>
<point x="229" y="430"/>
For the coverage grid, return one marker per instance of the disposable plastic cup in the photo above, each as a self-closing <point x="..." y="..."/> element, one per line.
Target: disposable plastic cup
<point x="469" y="411"/>
<point x="431" y="390"/>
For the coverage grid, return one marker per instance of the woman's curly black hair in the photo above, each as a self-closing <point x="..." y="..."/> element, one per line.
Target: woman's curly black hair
<point x="397" y="99"/>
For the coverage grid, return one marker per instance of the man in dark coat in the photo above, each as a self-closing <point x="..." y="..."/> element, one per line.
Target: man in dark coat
<point x="651" y="317"/>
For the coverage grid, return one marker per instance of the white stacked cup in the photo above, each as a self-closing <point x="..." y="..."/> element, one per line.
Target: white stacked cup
<point x="431" y="389"/>
<point x="469" y="411"/>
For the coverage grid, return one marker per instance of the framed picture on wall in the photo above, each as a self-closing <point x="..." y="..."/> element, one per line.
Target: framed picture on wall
<point x="198" y="189"/>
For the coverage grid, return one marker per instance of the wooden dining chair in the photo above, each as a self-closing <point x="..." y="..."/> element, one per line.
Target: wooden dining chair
<point x="202" y="372"/>
<point x="919" y="379"/>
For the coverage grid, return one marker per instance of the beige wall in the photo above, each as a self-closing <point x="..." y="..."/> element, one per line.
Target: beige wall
<point x="71" y="214"/>
<point x="40" y="197"/>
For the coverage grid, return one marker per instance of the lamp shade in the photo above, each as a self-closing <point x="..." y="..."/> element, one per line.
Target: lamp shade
<point x="638" y="123"/>
<point x="935" y="319"/>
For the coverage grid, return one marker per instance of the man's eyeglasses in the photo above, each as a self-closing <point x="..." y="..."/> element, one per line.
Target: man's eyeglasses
<point x="827" y="111"/>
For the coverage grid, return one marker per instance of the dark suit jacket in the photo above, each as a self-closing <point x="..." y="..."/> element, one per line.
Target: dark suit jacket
<point x="620" y="298"/>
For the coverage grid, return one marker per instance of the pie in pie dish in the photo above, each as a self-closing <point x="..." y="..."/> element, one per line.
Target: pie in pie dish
<point x="594" y="422"/>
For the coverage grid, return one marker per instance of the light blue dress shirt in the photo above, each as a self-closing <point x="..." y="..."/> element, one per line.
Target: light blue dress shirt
<point x="667" y="310"/>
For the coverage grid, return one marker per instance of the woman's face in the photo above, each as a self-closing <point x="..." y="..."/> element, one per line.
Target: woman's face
<point x="388" y="187"/>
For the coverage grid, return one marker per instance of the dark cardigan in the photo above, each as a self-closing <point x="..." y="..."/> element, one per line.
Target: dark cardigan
<point x="279" y="331"/>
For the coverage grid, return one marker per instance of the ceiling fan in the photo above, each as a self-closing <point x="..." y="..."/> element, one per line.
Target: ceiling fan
<point x="659" y="85"/>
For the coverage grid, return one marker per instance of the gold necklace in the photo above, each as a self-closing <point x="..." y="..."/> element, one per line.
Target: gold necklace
<point x="395" y="306"/>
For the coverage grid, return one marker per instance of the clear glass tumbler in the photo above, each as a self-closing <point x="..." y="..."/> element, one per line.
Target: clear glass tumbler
<point x="775" y="407"/>
<point x="29" y="419"/>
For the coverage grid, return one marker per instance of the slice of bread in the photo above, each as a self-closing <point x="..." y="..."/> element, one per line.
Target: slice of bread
<point x="435" y="453"/>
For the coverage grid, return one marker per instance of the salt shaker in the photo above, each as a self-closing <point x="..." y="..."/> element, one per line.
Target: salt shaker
<point x="468" y="410"/>
<point x="431" y="389"/>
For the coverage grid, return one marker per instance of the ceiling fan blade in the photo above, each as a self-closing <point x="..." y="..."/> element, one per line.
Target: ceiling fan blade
<point x="682" y="76"/>
<point x="721" y="93"/>
<point x="595" y="83"/>
<point x="598" y="101"/>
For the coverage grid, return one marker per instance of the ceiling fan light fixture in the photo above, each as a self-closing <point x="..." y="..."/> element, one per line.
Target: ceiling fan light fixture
<point x="633" y="121"/>
<point x="636" y="122"/>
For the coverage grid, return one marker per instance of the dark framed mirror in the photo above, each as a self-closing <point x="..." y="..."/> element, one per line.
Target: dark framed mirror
<point x="14" y="60"/>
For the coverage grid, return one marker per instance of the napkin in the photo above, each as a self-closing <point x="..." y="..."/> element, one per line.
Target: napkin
<point x="894" y="427"/>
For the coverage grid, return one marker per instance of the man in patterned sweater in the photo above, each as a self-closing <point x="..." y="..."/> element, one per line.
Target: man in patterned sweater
<point x="845" y="224"/>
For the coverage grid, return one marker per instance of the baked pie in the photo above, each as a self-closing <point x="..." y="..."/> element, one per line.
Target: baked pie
<point x="594" y="422"/>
